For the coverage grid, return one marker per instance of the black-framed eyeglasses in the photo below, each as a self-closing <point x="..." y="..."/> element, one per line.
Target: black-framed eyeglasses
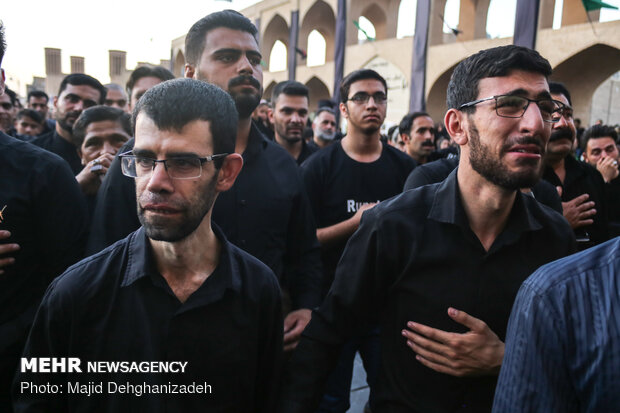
<point x="566" y="112"/>
<point x="512" y="106"/>
<point x="182" y="167"/>
<point x="363" y="98"/>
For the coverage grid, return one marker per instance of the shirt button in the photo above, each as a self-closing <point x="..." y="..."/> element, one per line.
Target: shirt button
<point x="243" y="202"/>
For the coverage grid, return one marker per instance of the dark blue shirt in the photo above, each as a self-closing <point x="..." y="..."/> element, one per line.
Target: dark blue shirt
<point x="563" y="342"/>
<point x="55" y="143"/>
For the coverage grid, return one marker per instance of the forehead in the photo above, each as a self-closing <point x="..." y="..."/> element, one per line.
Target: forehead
<point x="37" y="99"/>
<point x="114" y="94"/>
<point x="292" y="101"/>
<point x="369" y="86"/>
<point x="225" y="38"/>
<point x="561" y="98"/>
<point x="104" y="127"/>
<point x="194" y="137"/>
<point x="27" y="119"/>
<point x="533" y="83"/>
<point x="83" y="91"/>
<point x="600" y="142"/>
<point x="325" y="116"/>
<point x="145" y="83"/>
<point x="5" y="98"/>
<point x="422" y="121"/>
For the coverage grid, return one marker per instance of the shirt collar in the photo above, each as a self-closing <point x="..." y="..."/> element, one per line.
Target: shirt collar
<point x="256" y="142"/>
<point x="141" y="262"/>
<point x="447" y="207"/>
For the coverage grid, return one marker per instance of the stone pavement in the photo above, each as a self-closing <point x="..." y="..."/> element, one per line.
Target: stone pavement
<point x="359" y="388"/>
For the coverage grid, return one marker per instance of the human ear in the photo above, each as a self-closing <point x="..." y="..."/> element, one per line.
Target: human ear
<point x="228" y="172"/>
<point x="456" y="125"/>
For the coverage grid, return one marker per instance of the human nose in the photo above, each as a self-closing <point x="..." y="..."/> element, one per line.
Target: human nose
<point x="109" y="148"/>
<point x="159" y="180"/>
<point x="532" y="119"/>
<point x="79" y="105"/>
<point x="244" y="65"/>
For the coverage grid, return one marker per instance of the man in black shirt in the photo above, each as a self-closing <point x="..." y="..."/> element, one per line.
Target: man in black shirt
<point x="42" y="232"/>
<point x="581" y="186"/>
<point x="175" y="292"/>
<point x="38" y="100"/>
<point x="289" y="117"/>
<point x="77" y="92"/>
<point x="343" y="180"/>
<point x="266" y="212"/>
<point x="324" y="128"/>
<point x="417" y="131"/>
<point x="438" y="267"/>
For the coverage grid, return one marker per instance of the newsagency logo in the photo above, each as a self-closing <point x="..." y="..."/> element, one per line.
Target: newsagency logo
<point x="74" y="365"/>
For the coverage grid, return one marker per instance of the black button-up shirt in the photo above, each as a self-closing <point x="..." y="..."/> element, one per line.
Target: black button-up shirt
<point x="266" y="213"/>
<point x="115" y="306"/>
<point x="43" y="208"/>
<point x="413" y="257"/>
<point x="55" y="143"/>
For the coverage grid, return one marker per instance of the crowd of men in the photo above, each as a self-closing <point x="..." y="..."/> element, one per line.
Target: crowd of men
<point x="189" y="220"/>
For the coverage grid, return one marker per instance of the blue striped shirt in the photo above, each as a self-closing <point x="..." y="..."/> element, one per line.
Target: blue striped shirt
<point x="563" y="340"/>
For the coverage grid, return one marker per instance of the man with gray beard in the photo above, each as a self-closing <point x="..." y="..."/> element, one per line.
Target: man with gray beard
<point x="324" y="127"/>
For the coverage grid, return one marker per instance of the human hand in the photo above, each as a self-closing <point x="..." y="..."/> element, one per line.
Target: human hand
<point x="90" y="177"/>
<point x="294" y="325"/>
<point x="6" y="249"/>
<point x="358" y="214"/>
<point x="608" y="167"/>
<point x="474" y="353"/>
<point x="578" y="211"/>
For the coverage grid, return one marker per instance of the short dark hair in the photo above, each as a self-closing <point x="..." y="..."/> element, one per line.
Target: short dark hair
<point x="197" y="35"/>
<point x="98" y="114"/>
<point x="324" y="109"/>
<point x="147" y="71"/>
<point x="599" y="131"/>
<point x="558" y="88"/>
<point x="2" y="41"/>
<point x="404" y="127"/>
<point x="38" y="94"/>
<point x="361" y="74"/>
<point x="12" y="95"/>
<point x="290" y="88"/>
<point x="79" y="79"/>
<point x="494" y="62"/>
<point x="30" y="113"/>
<point x="173" y="104"/>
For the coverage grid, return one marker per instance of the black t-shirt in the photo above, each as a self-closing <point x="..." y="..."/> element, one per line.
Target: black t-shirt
<point x="54" y="143"/>
<point x="44" y="209"/>
<point x="613" y="206"/>
<point x="338" y="185"/>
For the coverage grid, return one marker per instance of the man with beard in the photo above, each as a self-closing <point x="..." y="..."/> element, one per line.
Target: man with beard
<point x="417" y="131"/>
<point x="438" y="267"/>
<point x="580" y="185"/>
<point x="7" y="110"/>
<point x="267" y="212"/>
<point x="204" y="314"/>
<point x="77" y="92"/>
<point x="343" y="180"/>
<point x="323" y="128"/>
<point x="289" y="117"/>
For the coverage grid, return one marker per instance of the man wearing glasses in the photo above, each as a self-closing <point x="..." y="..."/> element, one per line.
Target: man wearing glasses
<point x="438" y="267"/>
<point x="343" y="180"/>
<point x="202" y="313"/>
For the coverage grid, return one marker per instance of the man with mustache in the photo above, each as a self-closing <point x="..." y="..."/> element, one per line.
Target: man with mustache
<point x="324" y="127"/>
<point x="266" y="212"/>
<point x="580" y="185"/>
<point x="289" y="117"/>
<point x="438" y="267"/>
<point x="343" y="180"/>
<point x="174" y="293"/>
<point x="77" y="92"/>
<point x="417" y="131"/>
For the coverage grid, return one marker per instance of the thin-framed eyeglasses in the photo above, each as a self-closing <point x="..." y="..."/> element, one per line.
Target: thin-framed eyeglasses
<point x="182" y="167"/>
<point x="363" y="98"/>
<point x="513" y="106"/>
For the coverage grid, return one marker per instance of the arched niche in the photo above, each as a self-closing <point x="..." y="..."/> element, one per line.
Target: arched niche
<point x="318" y="91"/>
<point x="179" y="64"/>
<point x="319" y="17"/>
<point x="269" y="90"/>
<point x="277" y="29"/>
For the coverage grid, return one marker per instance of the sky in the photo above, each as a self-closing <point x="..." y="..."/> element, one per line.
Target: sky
<point x="144" y="29"/>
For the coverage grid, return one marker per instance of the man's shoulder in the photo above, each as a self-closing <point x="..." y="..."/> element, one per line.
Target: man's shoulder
<point x="401" y="157"/>
<point x="323" y="158"/>
<point x="253" y="272"/>
<point x="43" y="141"/>
<point x="578" y="271"/>
<point x="415" y="205"/>
<point x="26" y="156"/>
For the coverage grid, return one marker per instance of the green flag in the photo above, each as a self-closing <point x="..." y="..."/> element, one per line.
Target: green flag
<point x="590" y="5"/>
<point x="356" y="23"/>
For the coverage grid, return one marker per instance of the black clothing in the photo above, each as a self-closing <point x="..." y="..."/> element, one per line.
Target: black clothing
<point x="414" y="256"/>
<point x="116" y="306"/>
<point x="43" y="208"/>
<point x="54" y="143"/>
<point x="268" y="132"/>
<point x="338" y="185"/>
<point x="438" y="170"/>
<point x="582" y="178"/>
<point x="266" y="213"/>
<point x="306" y="151"/>
<point x="613" y="206"/>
